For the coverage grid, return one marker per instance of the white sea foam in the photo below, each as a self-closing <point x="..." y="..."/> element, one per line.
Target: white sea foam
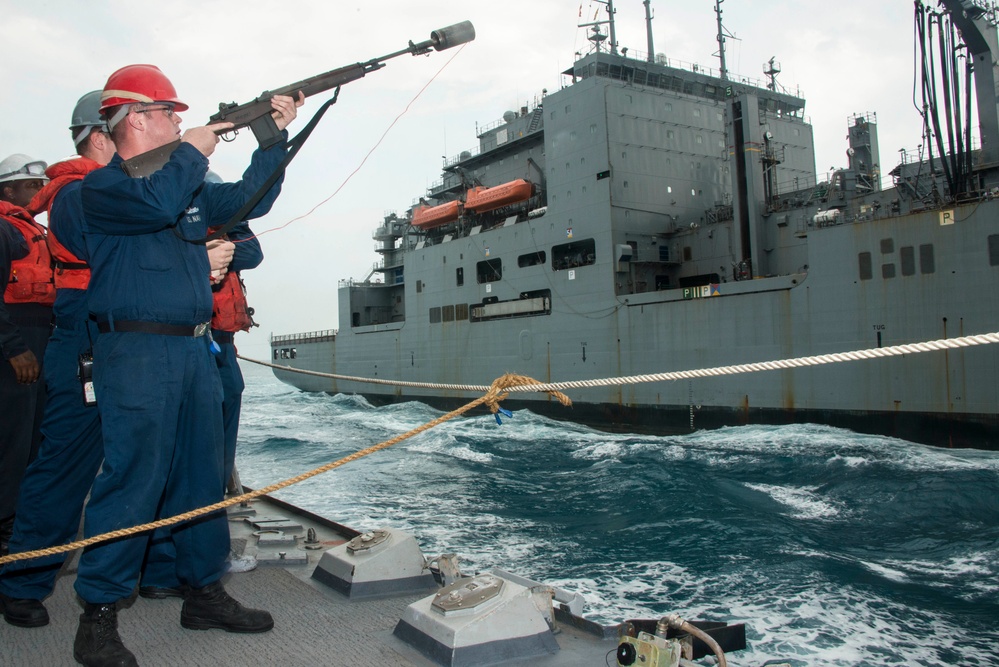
<point x="850" y="461"/>
<point x="804" y="501"/>
<point x="886" y="572"/>
<point x="600" y="451"/>
<point x="445" y="444"/>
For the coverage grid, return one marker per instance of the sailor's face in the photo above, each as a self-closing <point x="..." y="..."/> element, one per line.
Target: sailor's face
<point x="162" y="123"/>
<point x="20" y="192"/>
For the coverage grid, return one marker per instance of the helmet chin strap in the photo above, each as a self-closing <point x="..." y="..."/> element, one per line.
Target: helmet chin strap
<point x="118" y="116"/>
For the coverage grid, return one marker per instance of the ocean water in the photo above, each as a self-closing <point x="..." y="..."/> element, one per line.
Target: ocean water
<point x="834" y="548"/>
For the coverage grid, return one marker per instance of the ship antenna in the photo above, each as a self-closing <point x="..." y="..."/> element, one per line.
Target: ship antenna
<point x="722" y="34"/>
<point x="771" y="69"/>
<point x="648" y="29"/>
<point x="596" y="37"/>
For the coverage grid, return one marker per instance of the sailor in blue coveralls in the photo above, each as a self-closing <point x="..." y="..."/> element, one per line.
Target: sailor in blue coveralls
<point x="57" y="482"/>
<point x="159" y="577"/>
<point x="156" y="380"/>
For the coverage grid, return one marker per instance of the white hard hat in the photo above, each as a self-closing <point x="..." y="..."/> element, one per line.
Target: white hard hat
<point x="19" y="167"/>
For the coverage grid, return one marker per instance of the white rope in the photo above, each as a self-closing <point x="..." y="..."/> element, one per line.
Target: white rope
<point x="818" y="360"/>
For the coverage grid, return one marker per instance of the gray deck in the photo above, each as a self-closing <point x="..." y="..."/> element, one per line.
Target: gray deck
<point x="313" y="625"/>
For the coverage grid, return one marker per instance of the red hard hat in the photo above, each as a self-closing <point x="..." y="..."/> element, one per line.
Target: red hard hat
<point x="139" y="84"/>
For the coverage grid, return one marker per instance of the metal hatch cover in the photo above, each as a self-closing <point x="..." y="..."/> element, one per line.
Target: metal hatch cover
<point x="366" y="542"/>
<point x="468" y="593"/>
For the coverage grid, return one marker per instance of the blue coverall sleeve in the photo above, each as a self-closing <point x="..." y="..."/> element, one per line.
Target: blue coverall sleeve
<point x="117" y="204"/>
<point x="225" y="199"/>
<point x="248" y="254"/>
<point x="12" y="246"/>
<point x="66" y="220"/>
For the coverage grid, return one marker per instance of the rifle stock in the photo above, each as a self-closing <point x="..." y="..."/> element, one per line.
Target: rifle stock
<point x="256" y="114"/>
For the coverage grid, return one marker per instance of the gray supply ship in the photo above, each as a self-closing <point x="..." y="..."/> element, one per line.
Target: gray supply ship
<point x="651" y="217"/>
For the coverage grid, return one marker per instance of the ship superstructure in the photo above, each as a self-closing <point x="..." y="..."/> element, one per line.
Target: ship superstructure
<point x="652" y="216"/>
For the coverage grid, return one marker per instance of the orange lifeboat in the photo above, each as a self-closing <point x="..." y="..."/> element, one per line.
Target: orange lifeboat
<point x="481" y="199"/>
<point x="428" y="217"/>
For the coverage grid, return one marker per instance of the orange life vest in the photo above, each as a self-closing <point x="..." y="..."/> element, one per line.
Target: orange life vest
<point x="70" y="271"/>
<point x="230" y="311"/>
<point x="30" y="277"/>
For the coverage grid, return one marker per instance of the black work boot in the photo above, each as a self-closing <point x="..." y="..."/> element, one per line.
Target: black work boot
<point x="162" y="592"/>
<point x="211" y="607"/>
<point x="97" y="641"/>
<point x="23" y="612"/>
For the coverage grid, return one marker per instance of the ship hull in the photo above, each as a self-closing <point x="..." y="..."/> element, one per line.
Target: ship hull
<point x="940" y="398"/>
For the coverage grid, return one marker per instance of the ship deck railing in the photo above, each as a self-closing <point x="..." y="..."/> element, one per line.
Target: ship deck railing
<point x="307" y="337"/>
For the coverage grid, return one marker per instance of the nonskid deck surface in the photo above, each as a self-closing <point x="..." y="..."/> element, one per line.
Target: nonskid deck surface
<point x="313" y="625"/>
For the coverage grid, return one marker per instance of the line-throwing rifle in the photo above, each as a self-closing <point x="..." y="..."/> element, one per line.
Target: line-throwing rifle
<point x="256" y="114"/>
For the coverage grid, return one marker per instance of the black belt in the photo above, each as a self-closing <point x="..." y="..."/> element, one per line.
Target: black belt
<point x="223" y="337"/>
<point x="71" y="323"/>
<point x="138" y="326"/>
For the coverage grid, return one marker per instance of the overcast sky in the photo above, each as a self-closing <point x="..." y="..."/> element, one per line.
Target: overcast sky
<point x="845" y="57"/>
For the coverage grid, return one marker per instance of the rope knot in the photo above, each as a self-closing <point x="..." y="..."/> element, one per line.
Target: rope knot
<point x="498" y="390"/>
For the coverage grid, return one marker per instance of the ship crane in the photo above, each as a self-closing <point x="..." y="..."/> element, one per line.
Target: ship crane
<point x="977" y="27"/>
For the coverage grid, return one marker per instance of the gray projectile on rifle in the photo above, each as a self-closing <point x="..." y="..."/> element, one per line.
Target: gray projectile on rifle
<point x="256" y="114"/>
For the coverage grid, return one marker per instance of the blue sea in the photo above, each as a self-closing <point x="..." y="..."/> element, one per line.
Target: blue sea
<point x="833" y="548"/>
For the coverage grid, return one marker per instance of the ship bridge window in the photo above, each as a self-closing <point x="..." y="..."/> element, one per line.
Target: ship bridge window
<point x="926" y="262"/>
<point x="700" y="280"/>
<point x="907" y="255"/>
<point x="489" y="271"/>
<point x="994" y="250"/>
<point x="571" y="255"/>
<point x="531" y="259"/>
<point x="866" y="268"/>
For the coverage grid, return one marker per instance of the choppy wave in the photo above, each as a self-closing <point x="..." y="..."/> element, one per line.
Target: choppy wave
<point x="833" y="548"/>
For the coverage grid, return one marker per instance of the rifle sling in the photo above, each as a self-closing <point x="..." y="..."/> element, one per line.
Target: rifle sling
<point x="294" y="145"/>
